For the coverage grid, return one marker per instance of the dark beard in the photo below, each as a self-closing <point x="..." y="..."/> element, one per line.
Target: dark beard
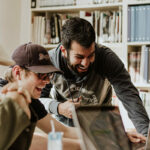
<point x="74" y="68"/>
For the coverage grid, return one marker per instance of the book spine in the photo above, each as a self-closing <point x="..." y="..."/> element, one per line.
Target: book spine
<point x="147" y="23"/>
<point x="33" y="3"/>
<point x="129" y="24"/>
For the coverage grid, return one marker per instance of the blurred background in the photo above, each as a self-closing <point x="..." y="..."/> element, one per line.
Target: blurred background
<point x="14" y="26"/>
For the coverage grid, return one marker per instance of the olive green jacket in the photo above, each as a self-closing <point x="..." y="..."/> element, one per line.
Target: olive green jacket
<point x="15" y="127"/>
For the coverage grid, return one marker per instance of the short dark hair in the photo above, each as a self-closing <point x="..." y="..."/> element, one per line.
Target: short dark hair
<point x="79" y="30"/>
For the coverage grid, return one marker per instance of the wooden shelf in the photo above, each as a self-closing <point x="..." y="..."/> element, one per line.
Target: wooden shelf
<point x="138" y="43"/>
<point x="112" y="44"/>
<point x="133" y="2"/>
<point x="142" y="85"/>
<point x="50" y="46"/>
<point x="77" y="7"/>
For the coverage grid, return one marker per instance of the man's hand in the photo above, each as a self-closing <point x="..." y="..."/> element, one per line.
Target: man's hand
<point x="135" y="137"/>
<point x="19" y="95"/>
<point x="66" y="107"/>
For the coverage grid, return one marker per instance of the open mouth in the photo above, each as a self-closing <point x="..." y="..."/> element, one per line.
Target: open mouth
<point x="83" y="69"/>
<point x="39" y="89"/>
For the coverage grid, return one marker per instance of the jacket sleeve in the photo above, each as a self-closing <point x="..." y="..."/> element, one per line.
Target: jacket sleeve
<point x="13" y="121"/>
<point x="118" y="76"/>
<point x="49" y="103"/>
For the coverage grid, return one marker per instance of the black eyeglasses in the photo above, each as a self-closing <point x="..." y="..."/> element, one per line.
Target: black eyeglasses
<point x="41" y="76"/>
<point x="44" y="76"/>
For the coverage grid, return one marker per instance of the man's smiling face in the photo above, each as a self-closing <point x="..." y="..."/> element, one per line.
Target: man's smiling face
<point x="30" y="81"/>
<point x="80" y="58"/>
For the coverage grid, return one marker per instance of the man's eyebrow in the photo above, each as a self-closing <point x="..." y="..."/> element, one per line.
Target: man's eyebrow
<point x="79" y="55"/>
<point x="83" y="55"/>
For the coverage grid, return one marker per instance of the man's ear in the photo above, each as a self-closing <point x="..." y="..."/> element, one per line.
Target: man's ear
<point x="16" y="71"/>
<point x="64" y="51"/>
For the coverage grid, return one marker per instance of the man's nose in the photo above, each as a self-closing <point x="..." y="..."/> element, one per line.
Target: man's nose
<point x="46" y="81"/>
<point x="85" y="62"/>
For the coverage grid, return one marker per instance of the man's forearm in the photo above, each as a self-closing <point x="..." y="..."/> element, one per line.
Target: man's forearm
<point x="71" y="144"/>
<point x="50" y="105"/>
<point x="39" y="142"/>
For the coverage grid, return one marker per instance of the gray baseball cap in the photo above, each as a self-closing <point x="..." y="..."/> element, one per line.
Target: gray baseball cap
<point x="33" y="57"/>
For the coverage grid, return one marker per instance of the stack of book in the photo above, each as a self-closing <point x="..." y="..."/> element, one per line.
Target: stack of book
<point x="38" y="29"/>
<point x="46" y="30"/>
<point x="106" y="1"/>
<point x="139" y="65"/>
<point x="107" y="25"/>
<point x="139" y="23"/>
<point x="51" y="3"/>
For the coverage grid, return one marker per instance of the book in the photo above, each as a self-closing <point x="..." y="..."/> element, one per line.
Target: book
<point x="56" y="29"/>
<point x="50" y="3"/>
<point x="129" y="24"/>
<point x="33" y="3"/>
<point x="147" y="23"/>
<point x="140" y="23"/>
<point x="47" y="39"/>
<point x="132" y="57"/>
<point x="144" y="20"/>
<point x="133" y="9"/>
<point x="42" y="38"/>
<point x="145" y="77"/>
<point x="120" y="25"/>
<point x="52" y="28"/>
<point x="145" y="96"/>
<point x="138" y="61"/>
<point x="142" y="63"/>
<point x="39" y="30"/>
<point x="117" y="27"/>
<point x="148" y="67"/>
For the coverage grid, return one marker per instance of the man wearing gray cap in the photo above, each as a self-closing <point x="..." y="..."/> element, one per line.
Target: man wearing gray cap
<point x="32" y="71"/>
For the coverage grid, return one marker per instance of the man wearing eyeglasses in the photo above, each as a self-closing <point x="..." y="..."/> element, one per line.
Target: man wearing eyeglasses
<point x="32" y="71"/>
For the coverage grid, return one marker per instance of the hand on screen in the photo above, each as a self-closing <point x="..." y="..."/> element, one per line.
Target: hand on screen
<point x="136" y="137"/>
<point x="65" y="108"/>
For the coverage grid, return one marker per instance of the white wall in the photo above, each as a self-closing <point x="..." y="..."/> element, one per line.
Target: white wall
<point x="25" y="21"/>
<point x="9" y="25"/>
<point x="14" y="26"/>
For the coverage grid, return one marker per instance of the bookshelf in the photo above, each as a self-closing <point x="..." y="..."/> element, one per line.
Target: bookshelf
<point x="139" y="40"/>
<point x="138" y="2"/>
<point x="121" y="47"/>
<point x="138" y="43"/>
<point x="143" y="86"/>
<point x="78" y="7"/>
<point x="79" y="10"/>
<point x="50" y="46"/>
